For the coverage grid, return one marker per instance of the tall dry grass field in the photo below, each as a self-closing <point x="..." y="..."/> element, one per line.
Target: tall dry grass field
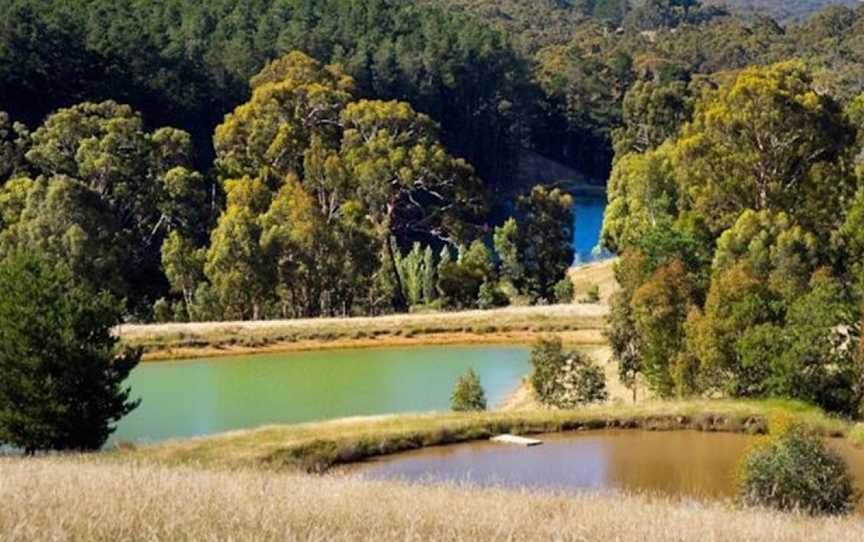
<point x="88" y="499"/>
<point x="577" y="324"/>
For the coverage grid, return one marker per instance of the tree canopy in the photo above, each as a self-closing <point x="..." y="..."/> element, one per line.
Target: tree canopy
<point x="738" y="275"/>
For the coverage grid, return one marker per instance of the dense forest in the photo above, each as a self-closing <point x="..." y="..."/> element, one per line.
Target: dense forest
<point x="740" y="242"/>
<point x="270" y="158"/>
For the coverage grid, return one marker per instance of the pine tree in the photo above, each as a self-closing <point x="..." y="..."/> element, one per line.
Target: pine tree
<point x="61" y="374"/>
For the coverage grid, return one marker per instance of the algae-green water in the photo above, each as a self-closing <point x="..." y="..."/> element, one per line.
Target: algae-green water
<point x="200" y="397"/>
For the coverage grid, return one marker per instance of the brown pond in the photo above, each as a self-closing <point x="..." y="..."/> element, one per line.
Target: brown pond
<point x="677" y="463"/>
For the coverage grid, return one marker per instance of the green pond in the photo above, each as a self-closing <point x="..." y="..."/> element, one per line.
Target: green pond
<point x="201" y="397"/>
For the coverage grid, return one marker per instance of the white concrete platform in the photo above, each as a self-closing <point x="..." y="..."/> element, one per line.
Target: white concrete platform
<point x="519" y="441"/>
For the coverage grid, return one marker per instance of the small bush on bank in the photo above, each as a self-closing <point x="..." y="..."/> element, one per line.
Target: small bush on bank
<point x="564" y="291"/>
<point x="580" y="381"/>
<point x="468" y="395"/>
<point x="491" y="297"/>
<point x="796" y="471"/>
<point x="162" y="311"/>
<point x="565" y="379"/>
<point x="592" y="295"/>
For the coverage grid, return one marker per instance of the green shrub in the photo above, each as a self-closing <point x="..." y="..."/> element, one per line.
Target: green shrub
<point x="592" y="295"/>
<point x="564" y="291"/>
<point x="180" y="313"/>
<point x="579" y="381"/>
<point x="795" y="471"/>
<point x="565" y="379"/>
<point x="162" y="311"/>
<point x="490" y="296"/>
<point x="468" y="395"/>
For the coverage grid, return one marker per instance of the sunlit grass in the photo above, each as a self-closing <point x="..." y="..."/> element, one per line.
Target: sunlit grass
<point x="82" y="498"/>
<point x="576" y="323"/>
<point x="579" y="323"/>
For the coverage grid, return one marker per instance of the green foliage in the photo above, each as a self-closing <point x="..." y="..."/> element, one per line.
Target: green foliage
<point x="411" y="271"/>
<point x="565" y="379"/>
<point x="624" y="340"/>
<point x="107" y="192"/>
<point x="447" y="64"/>
<point x="331" y="187"/>
<point x="490" y="296"/>
<point x="460" y="281"/>
<point x="162" y="311"/>
<point x="772" y="248"/>
<point x="61" y="374"/>
<point x="726" y="165"/>
<point x="652" y="112"/>
<point x="235" y="264"/>
<point x="14" y="142"/>
<point x="642" y="194"/>
<point x="796" y="472"/>
<point x="468" y="395"/>
<point x="430" y="276"/>
<point x="660" y="308"/>
<point x="546" y="235"/>
<point x="183" y="265"/>
<point x="733" y="247"/>
<point x="580" y="381"/>
<point x="508" y="246"/>
<point x="564" y="291"/>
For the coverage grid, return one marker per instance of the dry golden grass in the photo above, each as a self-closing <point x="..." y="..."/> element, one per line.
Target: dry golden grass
<point x="578" y="324"/>
<point x="80" y="499"/>
<point x="599" y="273"/>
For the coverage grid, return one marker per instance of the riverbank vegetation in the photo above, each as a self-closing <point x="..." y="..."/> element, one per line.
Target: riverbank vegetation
<point x="794" y="471"/>
<point x="468" y="395"/>
<point x="62" y="373"/>
<point x="317" y="447"/>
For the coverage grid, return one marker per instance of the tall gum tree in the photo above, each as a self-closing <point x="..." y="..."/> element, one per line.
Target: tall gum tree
<point x="770" y="141"/>
<point x="380" y="161"/>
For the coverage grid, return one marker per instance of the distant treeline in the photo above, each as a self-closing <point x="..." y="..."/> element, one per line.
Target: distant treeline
<point x="497" y="76"/>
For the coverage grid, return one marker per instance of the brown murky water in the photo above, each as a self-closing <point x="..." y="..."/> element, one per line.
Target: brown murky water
<point x="677" y="463"/>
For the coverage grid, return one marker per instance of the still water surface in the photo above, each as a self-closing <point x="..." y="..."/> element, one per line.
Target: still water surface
<point x="588" y="213"/>
<point x="201" y="397"/>
<point x="677" y="463"/>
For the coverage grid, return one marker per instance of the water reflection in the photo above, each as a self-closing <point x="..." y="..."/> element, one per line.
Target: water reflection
<point x="686" y="464"/>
